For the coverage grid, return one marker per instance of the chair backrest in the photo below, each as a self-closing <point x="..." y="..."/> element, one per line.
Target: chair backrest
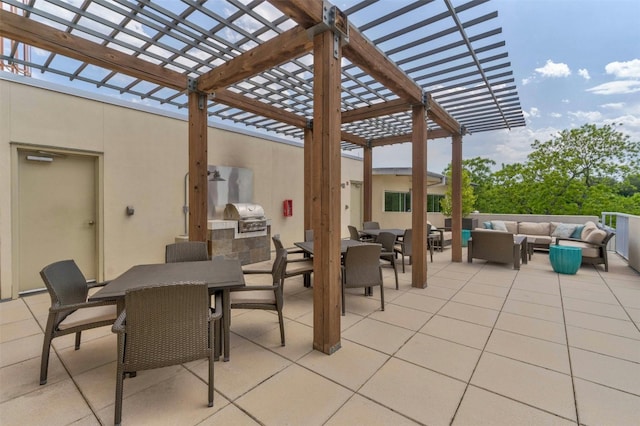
<point x="495" y="246"/>
<point x="353" y="233"/>
<point x="370" y="225"/>
<point x="166" y="325"/>
<point x="279" y="267"/>
<point x="187" y="251"/>
<point x="362" y="266"/>
<point x="387" y="240"/>
<point x="407" y="242"/>
<point x="277" y="242"/>
<point x="65" y="283"/>
<point x="308" y="235"/>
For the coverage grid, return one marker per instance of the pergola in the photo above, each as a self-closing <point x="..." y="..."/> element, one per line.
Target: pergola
<point x="408" y="72"/>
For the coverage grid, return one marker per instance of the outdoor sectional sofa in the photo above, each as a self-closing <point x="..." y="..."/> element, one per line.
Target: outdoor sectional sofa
<point x="592" y="238"/>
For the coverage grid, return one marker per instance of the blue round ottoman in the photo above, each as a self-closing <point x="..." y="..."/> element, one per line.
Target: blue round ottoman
<point x="466" y="234"/>
<point x="565" y="259"/>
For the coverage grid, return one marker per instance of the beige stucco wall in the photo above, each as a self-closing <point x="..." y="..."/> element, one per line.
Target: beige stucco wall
<point x="143" y="161"/>
<point x="401" y="220"/>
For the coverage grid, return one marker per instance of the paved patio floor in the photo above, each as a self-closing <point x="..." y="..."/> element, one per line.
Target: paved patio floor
<point x="482" y="345"/>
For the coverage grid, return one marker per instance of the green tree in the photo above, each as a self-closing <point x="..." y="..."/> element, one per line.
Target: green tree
<point x="579" y="171"/>
<point x="468" y="197"/>
<point x="481" y="177"/>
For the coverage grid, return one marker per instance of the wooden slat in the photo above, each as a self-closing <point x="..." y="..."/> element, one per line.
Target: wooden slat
<point x="197" y="169"/>
<point x="408" y="137"/>
<point x="356" y="140"/>
<point x="35" y="34"/>
<point x="418" y="201"/>
<point x="254" y="106"/>
<point x="376" y="110"/>
<point x="308" y="179"/>
<point x="273" y="52"/>
<point x="359" y="51"/>
<point x="367" y="57"/>
<point x="326" y="196"/>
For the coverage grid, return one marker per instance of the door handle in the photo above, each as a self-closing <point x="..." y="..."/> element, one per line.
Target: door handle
<point x="92" y="222"/>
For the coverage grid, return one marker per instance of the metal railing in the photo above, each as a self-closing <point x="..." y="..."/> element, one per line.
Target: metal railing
<point x="619" y="222"/>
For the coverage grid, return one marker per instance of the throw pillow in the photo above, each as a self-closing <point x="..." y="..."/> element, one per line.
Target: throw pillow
<point x="588" y="228"/>
<point x="487" y="225"/>
<point x="564" y="230"/>
<point x="597" y="236"/>
<point x="577" y="232"/>
<point x="498" y="225"/>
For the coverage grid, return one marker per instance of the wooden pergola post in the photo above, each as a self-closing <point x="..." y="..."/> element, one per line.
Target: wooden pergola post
<point x="367" y="174"/>
<point x="418" y="202"/>
<point x="326" y="193"/>
<point x="197" y="166"/>
<point x="456" y="198"/>
<point x="308" y="177"/>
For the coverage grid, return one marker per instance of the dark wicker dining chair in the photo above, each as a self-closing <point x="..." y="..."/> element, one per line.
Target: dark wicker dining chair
<point x="266" y="296"/>
<point x="404" y="248"/>
<point x="187" y="251"/>
<point x="162" y="326"/>
<point x="362" y="269"/>
<point x="370" y="225"/>
<point x="70" y="312"/>
<point x="293" y="266"/>
<point x="388" y="242"/>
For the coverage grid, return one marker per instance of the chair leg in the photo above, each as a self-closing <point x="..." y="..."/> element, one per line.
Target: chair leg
<point x="403" y="262"/>
<point x="46" y="348"/>
<point x="117" y="419"/>
<point x="381" y="296"/>
<point x="78" y="336"/>
<point x="395" y="271"/>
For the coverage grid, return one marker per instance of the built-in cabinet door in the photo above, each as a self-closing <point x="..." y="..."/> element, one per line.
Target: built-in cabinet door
<point x="56" y="214"/>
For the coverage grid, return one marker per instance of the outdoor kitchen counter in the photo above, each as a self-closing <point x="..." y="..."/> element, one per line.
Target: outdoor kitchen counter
<point x="248" y="247"/>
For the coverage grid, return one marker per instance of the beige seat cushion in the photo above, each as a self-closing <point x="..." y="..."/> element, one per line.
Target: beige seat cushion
<point x="257" y="296"/>
<point x="587" y="249"/>
<point x="89" y="315"/>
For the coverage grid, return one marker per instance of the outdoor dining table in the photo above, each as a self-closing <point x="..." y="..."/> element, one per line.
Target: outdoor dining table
<point x="219" y="274"/>
<point x="375" y="232"/>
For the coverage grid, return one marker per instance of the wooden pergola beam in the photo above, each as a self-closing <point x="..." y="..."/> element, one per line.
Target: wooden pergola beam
<point x="39" y="35"/>
<point x="442" y="117"/>
<point x="254" y="106"/>
<point x="376" y="110"/>
<point x="284" y="47"/>
<point x="408" y="137"/>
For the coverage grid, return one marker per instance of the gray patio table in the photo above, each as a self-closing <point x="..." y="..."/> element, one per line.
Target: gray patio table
<point x="219" y="274"/>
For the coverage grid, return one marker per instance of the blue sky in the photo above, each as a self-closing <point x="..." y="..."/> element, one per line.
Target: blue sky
<point x="574" y="61"/>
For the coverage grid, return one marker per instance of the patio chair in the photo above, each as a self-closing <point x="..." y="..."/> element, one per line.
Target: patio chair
<point x="388" y="241"/>
<point x="404" y="247"/>
<point x="293" y="267"/>
<point x="362" y="269"/>
<point x="264" y="296"/>
<point x="442" y="237"/>
<point x="195" y="251"/>
<point x="187" y="251"/>
<point x="354" y="234"/>
<point x="370" y="225"/>
<point x="162" y="326"/>
<point x="494" y="246"/>
<point x="308" y="235"/>
<point x="70" y="312"/>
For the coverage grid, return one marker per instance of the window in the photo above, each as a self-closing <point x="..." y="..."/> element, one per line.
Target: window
<point x="397" y="201"/>
<point x="433" y="202"/>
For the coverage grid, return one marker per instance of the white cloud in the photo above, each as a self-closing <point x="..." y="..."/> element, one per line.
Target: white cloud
<point x="565" y="101"/>
<point x="629" y="69"/>
<point x="617" y="105"/>
<point x="552" y="69"/>
<point x="584" y="73"/>
<point x="555" y="115"/>
<point x="526" y="81"/>
<point x="587" y="116"/>
<point x="616" y="87"/>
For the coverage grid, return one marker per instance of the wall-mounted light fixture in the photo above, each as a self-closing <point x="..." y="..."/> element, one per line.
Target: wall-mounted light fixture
<point x="39" y="158"/>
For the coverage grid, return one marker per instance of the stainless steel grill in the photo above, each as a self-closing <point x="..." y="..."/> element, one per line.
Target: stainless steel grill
<point x="250" y="216"/>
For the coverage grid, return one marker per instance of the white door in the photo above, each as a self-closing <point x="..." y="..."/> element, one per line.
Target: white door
<point x="57" y="214"/>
